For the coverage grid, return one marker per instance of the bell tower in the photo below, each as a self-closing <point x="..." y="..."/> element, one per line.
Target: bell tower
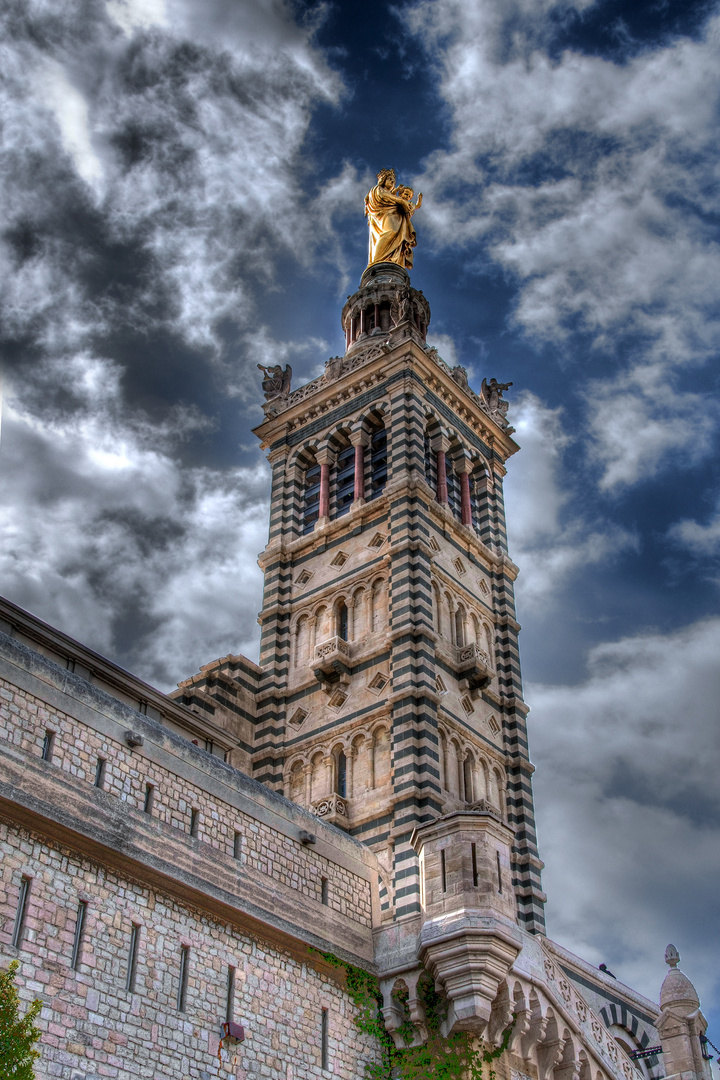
<point x="390" y="692"/>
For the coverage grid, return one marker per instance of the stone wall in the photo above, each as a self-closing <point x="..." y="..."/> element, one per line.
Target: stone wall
<point x="261" y="886"/>
<point x="93" y="1026"/>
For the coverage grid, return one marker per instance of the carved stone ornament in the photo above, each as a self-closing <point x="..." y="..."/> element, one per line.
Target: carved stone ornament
<point x="331" y="805"/>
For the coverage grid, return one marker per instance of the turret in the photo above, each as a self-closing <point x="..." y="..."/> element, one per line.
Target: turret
<point x="469" y="937"/>
<point x="681" y="1025"/>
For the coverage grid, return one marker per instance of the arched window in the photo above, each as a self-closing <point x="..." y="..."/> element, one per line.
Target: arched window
<point x="437" y="609"/>
<point x="342" y="621"/>
<point x="297" y="783"/>
<point x="468" y="777"/>
<point x="381" y="757"/>
<point x="378" y="609"/>
<point x="311" y="509"/>
<point x="302" y="640"/>
<point x="341" y="785"/>
<point x="378" y="462"/>
<point x="322" y="632"/>
<point x="344" y="480"/>
<point x="460" y="638"/>
<point x="453" y="486"/>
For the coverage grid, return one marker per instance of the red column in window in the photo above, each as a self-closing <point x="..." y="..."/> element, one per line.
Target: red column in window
<point x="466" y="511"/>
<point x="377" y="317"/>
<point x="442" y="492"/>
<point x="324" y="508"/>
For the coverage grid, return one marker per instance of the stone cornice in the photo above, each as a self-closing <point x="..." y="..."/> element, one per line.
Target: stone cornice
<point x="372" y="366"/>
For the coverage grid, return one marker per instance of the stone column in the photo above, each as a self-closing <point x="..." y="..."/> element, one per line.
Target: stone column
<point x="358" y="440"/>
<point x="323" y="459"/>
<point x="463" y="469"/>
<point x="441" y="445"/>
<point x="329" y="764"/>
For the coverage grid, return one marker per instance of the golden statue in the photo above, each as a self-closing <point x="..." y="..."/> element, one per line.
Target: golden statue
<point x="389" y="209"/>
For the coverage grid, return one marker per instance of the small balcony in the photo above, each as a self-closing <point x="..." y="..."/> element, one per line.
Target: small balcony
<point x="473" y="665"/>
<point x="333" y="808"/>
<point x="331" y="661"/>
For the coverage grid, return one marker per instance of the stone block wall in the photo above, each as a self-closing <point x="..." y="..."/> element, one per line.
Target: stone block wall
<point x="92" y="1026"/>
<point x="24" y="722"/>
<point x="262" y="887"/>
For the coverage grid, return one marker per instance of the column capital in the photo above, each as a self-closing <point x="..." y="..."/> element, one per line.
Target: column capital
<point x="324" y="456"/>
<point x="440" y="444"/>
<point x="359" y="438"/>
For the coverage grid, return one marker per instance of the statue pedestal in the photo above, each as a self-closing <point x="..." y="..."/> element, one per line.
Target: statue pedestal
<point x="383" y="272"/>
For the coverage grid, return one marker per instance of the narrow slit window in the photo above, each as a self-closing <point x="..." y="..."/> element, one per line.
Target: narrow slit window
<point x="132" y="958"/>
<point x="21" y="912"/>
<point x="100" y="773"/>
<point x="342" y="775"/>
<point x="344" y="480"/>
<point x="324" y="890"/>
<point x="194" y="821"/>
<point x="183" y="978"/>
<point x="311" y="509"/>
<point x="473" y="848"/>
<point x="230" y="995"/>
<point x="378" y="463"/>
<point x="149" y="798"/>
<point x="324" y="1041"/>
<point x="499" y="872"/>
<point x="79" y="934"/>
<point x="342" y="622"/>
<point x="442" y="870"/>
<point x="48" y="746"/>
<point x="237" y="846"/>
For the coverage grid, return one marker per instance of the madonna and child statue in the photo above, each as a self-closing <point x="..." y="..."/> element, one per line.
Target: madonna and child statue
<point x="389" y="209"/>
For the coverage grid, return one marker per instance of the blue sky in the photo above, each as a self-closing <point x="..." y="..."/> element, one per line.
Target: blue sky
<point x="182" y="193"/>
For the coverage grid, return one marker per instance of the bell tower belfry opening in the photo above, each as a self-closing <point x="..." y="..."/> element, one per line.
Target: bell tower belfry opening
<point x="390" y="692"/>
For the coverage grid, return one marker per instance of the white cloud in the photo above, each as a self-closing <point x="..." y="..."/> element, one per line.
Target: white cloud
<point x="103" y="528"/>
<point x="550" y="540"/>
<point x="629" y="807"/>
<point x="631" y="416"/>
<point x="192" y="138"/>
<point x="700" y="540"/>
<point x="445" y="345"/>
<point x="590" y="182"/>
<point x="131" y="15"/>
<point x="71" y="112"/>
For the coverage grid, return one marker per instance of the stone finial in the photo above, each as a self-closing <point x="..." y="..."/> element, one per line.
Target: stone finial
<point x="672" y="956"/>
<point x="677" y="991"/>
<point x="681" y="1026"/>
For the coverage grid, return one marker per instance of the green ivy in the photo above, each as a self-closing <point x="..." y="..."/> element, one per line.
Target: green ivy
<point x="18" y="1033"/>
<point x="460" y="1056"/>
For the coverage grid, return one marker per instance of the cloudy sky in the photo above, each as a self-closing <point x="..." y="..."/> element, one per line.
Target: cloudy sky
<point x="182" y="186"/>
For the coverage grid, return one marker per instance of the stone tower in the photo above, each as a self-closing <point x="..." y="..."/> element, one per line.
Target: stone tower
<point x="389" y="688"/>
